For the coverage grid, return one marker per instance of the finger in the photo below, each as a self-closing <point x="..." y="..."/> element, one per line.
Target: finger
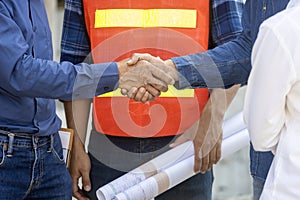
<point x="124" y="92"/>
<point x="212" y="158"/>
<point x="138" y="56"/>
<point x="77" y="193"/>
<point x="86" y="182"/>
<point x="161" y="75"/>
<point x="205" y="162"/>
<point x="197" y="163"/>
<point x="181" y="139"/>
<point x="156" y="83"/>
<point x="80" y="196"/>
<point x="147" y="97"/>
<point x="160" y="88"/>
<point x="132" y="92"/>
<point x="139" y="94"/>
<point x="152" y="90"/>
<point x="219" y="151"/>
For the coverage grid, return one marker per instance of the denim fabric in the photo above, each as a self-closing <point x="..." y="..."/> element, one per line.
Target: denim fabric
<point x="105" y="166"/>
<point x="258" y="186"/>
<point x="260" y="163"/>
<point x="35" y="169"/>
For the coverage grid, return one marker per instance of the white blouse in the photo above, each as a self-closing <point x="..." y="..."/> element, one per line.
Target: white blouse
<point x="272" y="103"/>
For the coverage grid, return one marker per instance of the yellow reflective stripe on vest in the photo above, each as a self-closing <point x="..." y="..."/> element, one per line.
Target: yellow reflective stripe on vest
<point x="173" y="18"/>
<point x="172" y="92"/>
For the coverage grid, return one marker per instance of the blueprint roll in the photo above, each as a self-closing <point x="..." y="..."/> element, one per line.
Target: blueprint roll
<point x="170" y="168"/>
<point x="179" y="172"/>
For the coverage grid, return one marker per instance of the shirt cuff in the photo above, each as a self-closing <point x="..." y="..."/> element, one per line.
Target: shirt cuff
<point x="108" y="78"/>
<point x="188" y="75"/>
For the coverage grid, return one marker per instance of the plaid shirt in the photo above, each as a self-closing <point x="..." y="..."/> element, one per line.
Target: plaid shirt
<point x="75" y="45"/>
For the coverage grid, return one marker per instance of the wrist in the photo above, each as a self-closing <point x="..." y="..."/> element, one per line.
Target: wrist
<point x="122" y="68"/>
<point x="171" y="64"/>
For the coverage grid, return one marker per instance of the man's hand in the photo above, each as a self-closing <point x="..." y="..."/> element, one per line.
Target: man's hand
<point x="167" y="66"/>
<point x="142" y="74"/>
<point x="150" y="91"/>
<point x="207" y="132"/>
<point x="207" y="139"/>
<point x="80" y="166"/>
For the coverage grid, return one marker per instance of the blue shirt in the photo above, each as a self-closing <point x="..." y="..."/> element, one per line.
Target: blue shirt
<point x="228" y="64"/>
<point x="30" y="80"/>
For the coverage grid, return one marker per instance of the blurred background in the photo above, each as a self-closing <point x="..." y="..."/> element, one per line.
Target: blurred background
<point x="232" y="176"/>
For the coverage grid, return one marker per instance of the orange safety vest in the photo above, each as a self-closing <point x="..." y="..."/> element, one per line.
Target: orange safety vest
<point x="164" y="28"/>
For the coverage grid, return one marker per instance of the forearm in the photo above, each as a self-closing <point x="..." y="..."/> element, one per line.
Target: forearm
<point x="221" y="100"/>
<point x="213" y="113"/>
<point x="77" y="116"/>
<point x="221" y="67"/>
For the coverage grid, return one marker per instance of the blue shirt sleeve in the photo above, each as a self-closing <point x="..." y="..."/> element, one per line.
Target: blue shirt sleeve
<point x="221" y="67"/>
<point x="23" y="75"/>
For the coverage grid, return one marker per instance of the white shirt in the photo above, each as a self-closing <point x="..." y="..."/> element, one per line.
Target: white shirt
<point x="272" y="102"/>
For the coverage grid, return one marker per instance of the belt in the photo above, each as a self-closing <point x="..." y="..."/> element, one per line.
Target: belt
<point x="11" y="137"/>
<point x="8" y="133"/>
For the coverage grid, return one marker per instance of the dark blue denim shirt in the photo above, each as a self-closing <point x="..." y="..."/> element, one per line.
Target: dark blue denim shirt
<point x="228" y="64"/>
<point x="30" y="80"/>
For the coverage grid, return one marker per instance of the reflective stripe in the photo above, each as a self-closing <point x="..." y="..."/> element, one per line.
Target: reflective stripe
<point x="173" y="18"/>
<point x="172" y="92"/>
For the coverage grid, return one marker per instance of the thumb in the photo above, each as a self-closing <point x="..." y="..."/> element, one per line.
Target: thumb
<point x="86" y="182"/>
<point x="140" y="56"/>
<point x="134" y="59"/>
<point x="181" y="139"/>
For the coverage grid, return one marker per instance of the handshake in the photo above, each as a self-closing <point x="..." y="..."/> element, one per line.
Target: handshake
<point x="143" y="76"/>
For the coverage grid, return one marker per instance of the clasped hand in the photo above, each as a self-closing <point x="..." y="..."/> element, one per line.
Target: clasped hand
<point x="143" y="77"/>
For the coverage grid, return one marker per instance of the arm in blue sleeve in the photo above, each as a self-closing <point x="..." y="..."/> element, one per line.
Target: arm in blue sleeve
<point x="221" y="67"/>
<point x="23" y="75"/>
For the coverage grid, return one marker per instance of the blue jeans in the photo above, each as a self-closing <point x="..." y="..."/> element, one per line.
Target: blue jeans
<point x="32" y="167"/>
<point x="259" y="168"/>
<point x="198" y="187"/>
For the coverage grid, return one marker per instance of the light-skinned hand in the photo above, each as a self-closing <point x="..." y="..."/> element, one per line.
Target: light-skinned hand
<point x="143" y="75"/>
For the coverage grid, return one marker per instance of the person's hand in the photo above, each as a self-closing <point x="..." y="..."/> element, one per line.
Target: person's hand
<point x="143" y="74"/>
<point x="80" y="166"/>
<point x="167" y="66"/>
<point x="207" y="140"/>
<point x="148" y="94"/>
<point x="209" y="150"/>
<point x="207" y="133"/>
<point x="142" y="94"/>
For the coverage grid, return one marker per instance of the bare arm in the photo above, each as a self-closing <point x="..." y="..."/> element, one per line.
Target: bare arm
<point x="77" y="116"/>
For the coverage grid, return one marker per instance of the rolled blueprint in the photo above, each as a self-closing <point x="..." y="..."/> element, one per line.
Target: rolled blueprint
<point x="170" y="168"/>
